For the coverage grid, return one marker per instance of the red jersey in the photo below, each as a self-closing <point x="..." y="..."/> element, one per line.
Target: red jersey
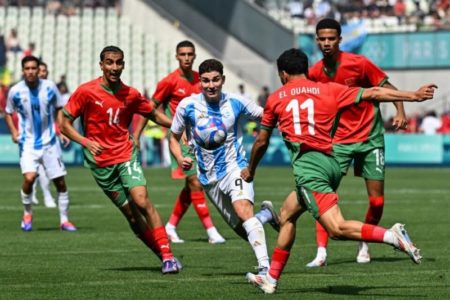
<point x="174" y="88"/>
<point x="305" y="111"/>
<point x="361" y="122"/>
<point x="105" y="117"/>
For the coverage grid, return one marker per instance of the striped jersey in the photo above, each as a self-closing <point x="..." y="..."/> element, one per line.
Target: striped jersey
<point x="36" y="110"/>
<point x="213" y="165"/>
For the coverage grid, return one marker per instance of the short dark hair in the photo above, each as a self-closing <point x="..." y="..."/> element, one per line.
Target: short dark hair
<point x="210" y="65"/>
<point x="328" y="24"/>
<point x="110" y="49"/>
<point x="29" y="58"/>
<point x="293" y="61"/>
<point x="185" y="43"/>
<point x="41" y="63"/>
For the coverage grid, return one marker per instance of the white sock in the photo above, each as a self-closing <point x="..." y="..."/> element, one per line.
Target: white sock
<point x="26" y="200"/>
<point x="322" y="251"/>
<point x="33" y="192"/>
<point x="44" y="182"/>
<point x="257" y="239"/>
<point x="63" y="205"/>
<point x="212" y="232"/>
<point x="170" y="227"/>
<point x="271" y="279"/>
<point x="389" y="238"/>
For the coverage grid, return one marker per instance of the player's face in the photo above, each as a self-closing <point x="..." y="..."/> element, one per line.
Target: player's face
<point x="328" y="41"/>
<point x="212" y="83"/>
<point x="30" y="72"/>
<point x="112" y="66"/>
<point x="186" y="57"/>
<point x="43" y="72"/>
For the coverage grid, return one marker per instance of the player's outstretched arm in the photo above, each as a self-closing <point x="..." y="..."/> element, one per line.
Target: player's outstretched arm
<point x="381" y="94"/>
<point x="258" y="150"/>
<point x="160" y="118"/>
<point x="175" y="149"/>
<point x="400" y="121"/>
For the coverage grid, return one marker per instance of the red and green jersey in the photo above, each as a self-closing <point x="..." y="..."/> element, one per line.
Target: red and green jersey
<point x="305" y="111"/>
<point x="174" y="88"/>
<point x="362" y="121"/>
<point x="105" y="116"/>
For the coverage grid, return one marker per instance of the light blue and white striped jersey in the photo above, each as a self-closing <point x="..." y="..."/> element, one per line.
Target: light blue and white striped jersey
<point x="213" y="165"/>
<point x="36" y="111"/>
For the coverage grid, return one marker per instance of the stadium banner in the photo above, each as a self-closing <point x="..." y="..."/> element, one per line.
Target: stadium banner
<point x="401" y="149"/>
<point x="412" y="50"/>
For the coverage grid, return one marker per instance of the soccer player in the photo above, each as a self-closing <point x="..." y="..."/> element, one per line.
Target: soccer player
<point x="359" y="136"/>
<point x="38" y="103"/>
<point x="44" y="181"/>
<point x="106" y="106"/>
<point x="219" y="169"/>
<point x="170" y="91"/>
<point x="304" y="111"/>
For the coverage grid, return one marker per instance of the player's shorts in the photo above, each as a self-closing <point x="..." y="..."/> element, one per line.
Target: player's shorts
<point x="368" y="160"/>
<point x="117" y="180"/>
<point x="227" y="190"/>
<point x="49" y="156"/>
<point x="317" y="177"/>
<point x="177" y="171"/>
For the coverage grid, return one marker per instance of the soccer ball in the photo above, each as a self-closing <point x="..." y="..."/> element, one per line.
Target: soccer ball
<point x="210" y="133"/>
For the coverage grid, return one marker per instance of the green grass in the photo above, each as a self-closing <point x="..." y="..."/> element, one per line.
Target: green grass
<point x="103" y="260"/>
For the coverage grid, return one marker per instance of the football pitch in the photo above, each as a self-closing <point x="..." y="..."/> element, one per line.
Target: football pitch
<point x="103" y="260"/>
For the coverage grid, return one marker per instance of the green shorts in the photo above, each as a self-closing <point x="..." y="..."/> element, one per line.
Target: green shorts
<point x="117" y="180"/>
<point x="368" y="160"/>
<point x="316" y="174"/>
<point x="187" y="152"/>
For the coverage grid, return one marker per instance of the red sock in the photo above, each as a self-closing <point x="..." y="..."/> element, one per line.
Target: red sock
<point x="372" y="233"/>
<point x="181" y="205"/>
<point x="279" y="260"/>
<point x="162" y="242"/>
<point x="147" y="238"/>
<point x="321" y="236"/>
<point x="375" y="210"/>
<point x="200" y="206"/>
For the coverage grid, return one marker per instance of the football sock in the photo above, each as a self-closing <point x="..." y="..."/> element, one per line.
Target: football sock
<point x="257" y="239"/>
<point x="321" y="236"/>
<point x="375" y="210"/>
<point x="372" y="233"/>
<point x="33" y="192"/>
<point x="389" y="238"/>
<point x="26" y="200"/>
<point x="147" y="239"/>
<point x="162" y="242"/>
<point x="264" y="216"/>
<point x="200" y="206"/>
<point x="279" y="260"/>
<point x="181" y="205"/>
<point x="63" y="206"/>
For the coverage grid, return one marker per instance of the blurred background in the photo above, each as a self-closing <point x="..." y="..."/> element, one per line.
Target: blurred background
<point x="409" y="40"/>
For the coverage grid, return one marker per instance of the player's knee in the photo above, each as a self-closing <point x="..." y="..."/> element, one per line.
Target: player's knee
<point x="193" y="184"/>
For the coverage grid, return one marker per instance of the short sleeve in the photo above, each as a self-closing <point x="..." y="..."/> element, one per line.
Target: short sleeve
<point x="178" y="123"/>
<point x="144" y="106"/>
<point x="74" y="106"/>
<point x="163" y="91"/>
<point x="269" y="118"/>
<point x="58" y="99"/>
<point x="374" y="74"/>
<point x="250" y="108"/>
<point x="10" y="106"/>
<point x="345" y="95"/>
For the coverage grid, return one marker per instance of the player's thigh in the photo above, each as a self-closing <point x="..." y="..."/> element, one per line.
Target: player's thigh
<point x="131" y="173"/>
<point x="317" y="176"/>
<point x="52" y="162"/>
<point x="30" y="160"/>
<point x="108" y="179"/>
<point x="369" y="163"/>
<point x="344" y="153"/>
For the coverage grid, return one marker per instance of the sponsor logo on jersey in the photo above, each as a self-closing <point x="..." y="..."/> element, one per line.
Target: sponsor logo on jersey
<point x="182" y="91"/>
<point x="99" y="103"/>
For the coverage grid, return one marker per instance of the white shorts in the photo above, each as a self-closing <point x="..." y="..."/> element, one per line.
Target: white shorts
<point x="49" y="156"/>
<point x="227" y="190"/>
